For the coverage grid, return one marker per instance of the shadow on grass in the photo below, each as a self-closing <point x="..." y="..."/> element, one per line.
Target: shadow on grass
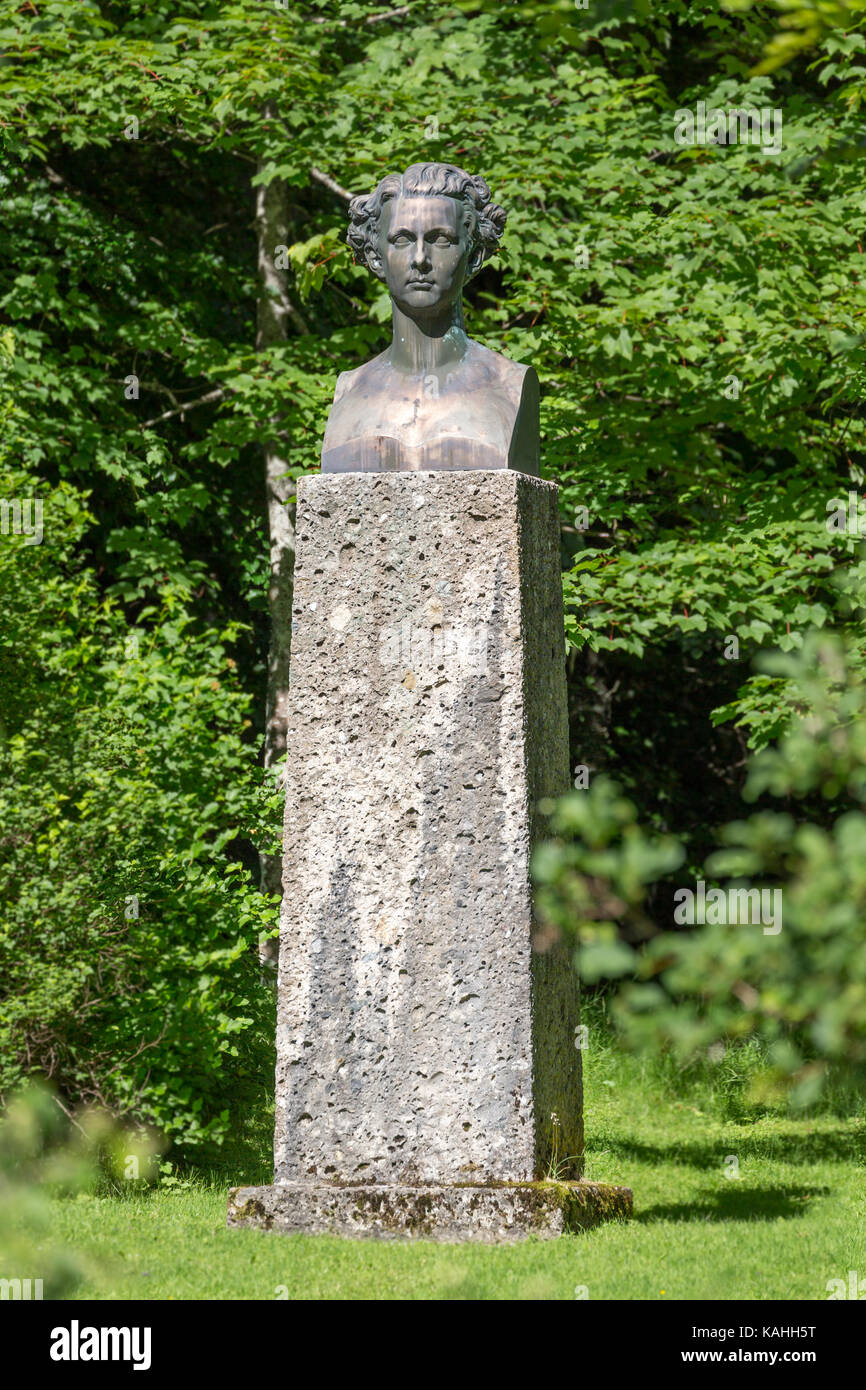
<point x="246" y="1156"/>
<point x="735" y="1203"/>
<point x="844" y="1146"/>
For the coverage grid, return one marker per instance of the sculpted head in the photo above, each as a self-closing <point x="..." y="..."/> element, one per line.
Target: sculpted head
<point x="425" y="233"/>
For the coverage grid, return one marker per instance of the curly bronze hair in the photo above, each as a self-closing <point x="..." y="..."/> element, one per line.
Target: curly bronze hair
<point x="485" y="220"/>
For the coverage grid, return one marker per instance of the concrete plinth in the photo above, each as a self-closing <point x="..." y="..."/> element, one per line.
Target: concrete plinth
<point x="494" y="1214"/>
<point x="422" y="1044"/>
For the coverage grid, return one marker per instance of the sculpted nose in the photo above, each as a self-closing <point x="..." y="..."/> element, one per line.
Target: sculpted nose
<point x="419" y="253"/>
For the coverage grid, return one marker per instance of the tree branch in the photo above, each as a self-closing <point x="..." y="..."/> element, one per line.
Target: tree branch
<point x="371" y="19"/>
<point x="387" y="14"/>
<point x="331" y="184"/>
<point x="216" y="395"/>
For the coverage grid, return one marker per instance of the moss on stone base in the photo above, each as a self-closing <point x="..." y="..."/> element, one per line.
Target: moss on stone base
<point x="492" y="1212"/>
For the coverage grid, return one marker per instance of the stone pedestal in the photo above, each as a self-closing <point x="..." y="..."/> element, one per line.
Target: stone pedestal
<point x="428" y="1078"/>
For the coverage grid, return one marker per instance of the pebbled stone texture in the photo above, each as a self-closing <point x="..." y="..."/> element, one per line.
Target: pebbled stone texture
<point x="420" y="1040"/>
<point x="489" y="1215"/>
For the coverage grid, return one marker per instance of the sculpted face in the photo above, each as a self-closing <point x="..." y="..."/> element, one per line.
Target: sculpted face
<point x="423" y="252"/>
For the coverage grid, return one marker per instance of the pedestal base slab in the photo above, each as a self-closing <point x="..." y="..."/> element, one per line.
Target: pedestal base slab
<point x="492" y="1213"/>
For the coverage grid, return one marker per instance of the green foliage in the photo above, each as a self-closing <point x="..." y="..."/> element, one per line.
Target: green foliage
<point x="127" y="944"/>
<point x="40" y="1156"/>
<point x="593" y="872"/>
<point x="798" y="985"/>
<point x="48" y="1154"/>
<point x="696" y="315"/>
<point x="804" y="25"/>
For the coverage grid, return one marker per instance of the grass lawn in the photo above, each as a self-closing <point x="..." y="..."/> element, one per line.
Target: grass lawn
<point x="792" y="1218"/>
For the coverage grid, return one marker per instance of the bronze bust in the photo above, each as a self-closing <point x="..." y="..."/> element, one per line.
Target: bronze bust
<point x="434" y="399"/>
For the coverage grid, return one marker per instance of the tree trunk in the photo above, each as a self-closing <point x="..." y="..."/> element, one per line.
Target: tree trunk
<point x="274" y="311"/>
